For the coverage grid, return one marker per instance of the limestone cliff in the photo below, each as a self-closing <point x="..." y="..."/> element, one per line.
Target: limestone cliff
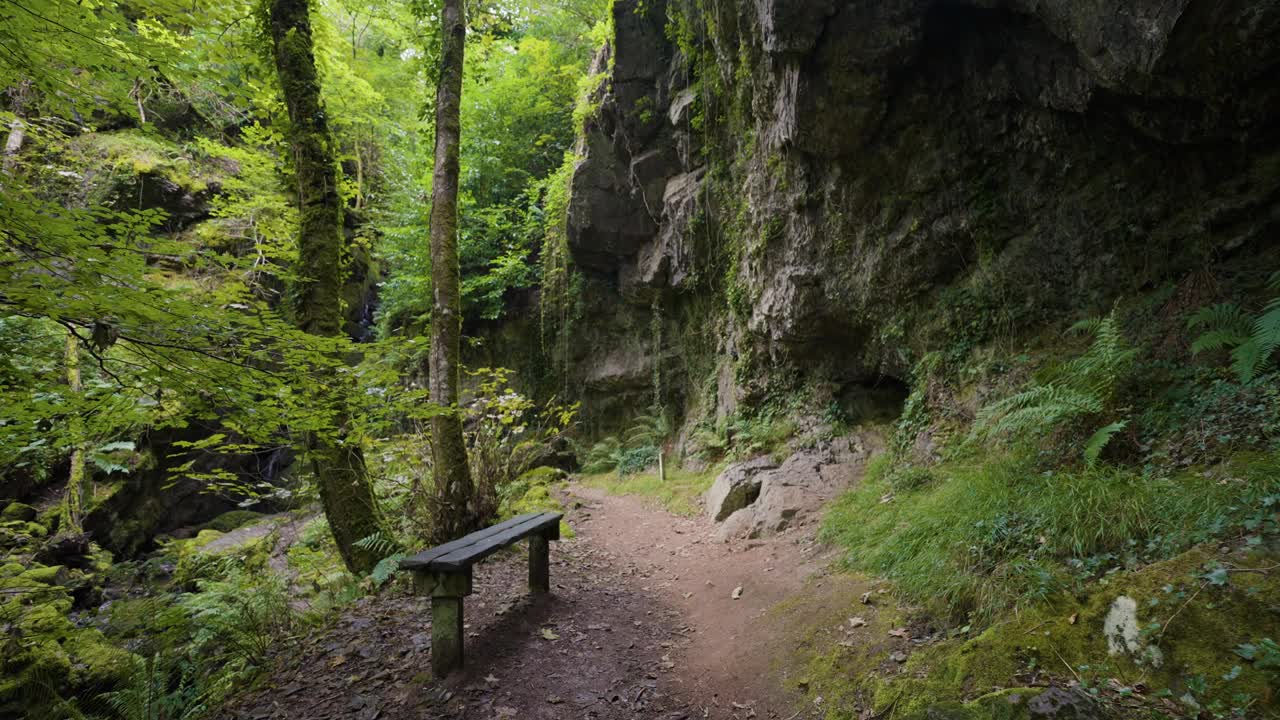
<point x="784" y="192"/>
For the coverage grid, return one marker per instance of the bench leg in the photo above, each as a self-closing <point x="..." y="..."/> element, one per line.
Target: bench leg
<point x="539" y="564"/>
<point x="446" y="635"/>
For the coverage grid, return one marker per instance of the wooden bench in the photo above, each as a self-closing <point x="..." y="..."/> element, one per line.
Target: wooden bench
<point x="445" y="573"/>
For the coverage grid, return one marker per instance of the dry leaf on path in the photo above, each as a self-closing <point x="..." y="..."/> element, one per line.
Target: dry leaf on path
<point x="737" y="593"/>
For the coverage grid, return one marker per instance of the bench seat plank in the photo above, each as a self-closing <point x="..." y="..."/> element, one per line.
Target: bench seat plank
<point x="470" y="555"/>
<point x="465" y="552"/>
<point x="422" y="559"/>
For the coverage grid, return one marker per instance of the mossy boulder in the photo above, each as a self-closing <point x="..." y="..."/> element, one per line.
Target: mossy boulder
<point x="51" y="655"/>
<point x="226" y="522"/>
<point x="18" y="511"/>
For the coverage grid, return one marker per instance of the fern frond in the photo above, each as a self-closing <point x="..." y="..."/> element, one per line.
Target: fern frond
<point x="386" y="568"/>
<point x="1097" y="442"/>
<point x="1223" y="316"/>
<point x="1217" y="340"/>
<point x="1266" y="329"/>
<point x="378" y="544"/>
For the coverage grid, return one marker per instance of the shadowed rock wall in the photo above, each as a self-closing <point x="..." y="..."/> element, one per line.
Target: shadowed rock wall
<point x="778" y="192"/>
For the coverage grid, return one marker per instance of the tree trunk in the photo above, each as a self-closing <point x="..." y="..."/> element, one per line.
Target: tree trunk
<point x="17" y="128"/>
<point x="337" y="461"/>
<point x="454" y="511"/>
<point x="73" y="503"/>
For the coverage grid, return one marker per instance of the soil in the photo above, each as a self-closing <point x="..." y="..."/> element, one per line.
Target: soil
<point x="649" y="617"/>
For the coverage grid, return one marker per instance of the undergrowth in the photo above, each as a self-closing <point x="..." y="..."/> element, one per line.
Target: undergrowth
<point x="995" y="534"/>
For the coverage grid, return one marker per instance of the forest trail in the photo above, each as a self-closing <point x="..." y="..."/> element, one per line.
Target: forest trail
<point x="642" y="622"/>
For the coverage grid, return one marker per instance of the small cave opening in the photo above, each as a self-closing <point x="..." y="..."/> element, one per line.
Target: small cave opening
<point x="878" y="399"/>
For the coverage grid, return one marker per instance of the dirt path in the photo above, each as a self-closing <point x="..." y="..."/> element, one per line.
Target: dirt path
<point x="642" y="622"/>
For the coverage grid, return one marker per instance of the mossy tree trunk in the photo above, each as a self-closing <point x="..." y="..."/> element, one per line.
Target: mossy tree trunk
<point x="74" y="501"/>
<point x="336" y="459"/>
<point x="454" y="509"/>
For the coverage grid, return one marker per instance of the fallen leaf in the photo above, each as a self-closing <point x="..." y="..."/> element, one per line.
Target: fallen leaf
<point x="866" y="598"/>
<point x="900" y="633"/>
<point x="688" y="595"/>
<point x="857" y="622"/>
<point x="549" y="634"/>
<point x="337" y="660"/>
<point x="491" y="679"/>
<point x="737" y="593"/>
<point x="1074" y="617"/>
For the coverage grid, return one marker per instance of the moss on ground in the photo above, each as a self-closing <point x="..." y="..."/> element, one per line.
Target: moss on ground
<point x="1197" y="625"/>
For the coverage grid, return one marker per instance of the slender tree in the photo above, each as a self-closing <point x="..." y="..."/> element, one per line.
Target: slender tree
<point x="454" y="509"/>
<point x="337" y="460"/>
<point x="73" y="503"/>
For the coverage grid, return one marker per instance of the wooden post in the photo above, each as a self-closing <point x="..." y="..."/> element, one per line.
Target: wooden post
<point x="447" y="593"/>
<point x="539" y="564"/>
<point x="446" y="635"/>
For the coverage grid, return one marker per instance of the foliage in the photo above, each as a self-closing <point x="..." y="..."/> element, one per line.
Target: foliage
<point x="238" y="620"/>
<point x="993" y="532"/>
<point x="1074" y="394"/>
<point x="743" y="435"/>
<point x="507" y="434"/>
<point x="389" y="552"/>
<point x="1252" y="340"/>
<point x="151" y="692"/>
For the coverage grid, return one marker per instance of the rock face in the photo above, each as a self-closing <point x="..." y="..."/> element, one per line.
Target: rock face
<point x="788" y="192"/>
<point x="737" y="487"/>
<point x="760" y="498"/>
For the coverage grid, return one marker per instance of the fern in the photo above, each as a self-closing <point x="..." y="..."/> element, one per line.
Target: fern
<point x="1253" y="341"/>
<point x="146" y="693"/>
<point x="378" y="544"/>
<point x="1094" y="446"/>
<point x="387" y="548"/>
<point x="1077" y="390"/>
<point x="386" y="568"/>
<point x="604" y="456"/>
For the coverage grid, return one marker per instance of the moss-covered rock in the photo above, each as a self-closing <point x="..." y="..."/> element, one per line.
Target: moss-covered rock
<point x="226" y="522"/>
<point x="18" y="511"/>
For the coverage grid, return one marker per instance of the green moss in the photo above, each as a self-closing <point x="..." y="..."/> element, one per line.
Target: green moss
<point x="16" y="529"/>
<point x="18" y="511"/>
<point x="134" y="153"/>
<point x="531" y="492"/>
<point x="229" y="521"/>
<point x="95" y="661"/>
<point x="44" y="575"/>
<point x="1196" y="625"/>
